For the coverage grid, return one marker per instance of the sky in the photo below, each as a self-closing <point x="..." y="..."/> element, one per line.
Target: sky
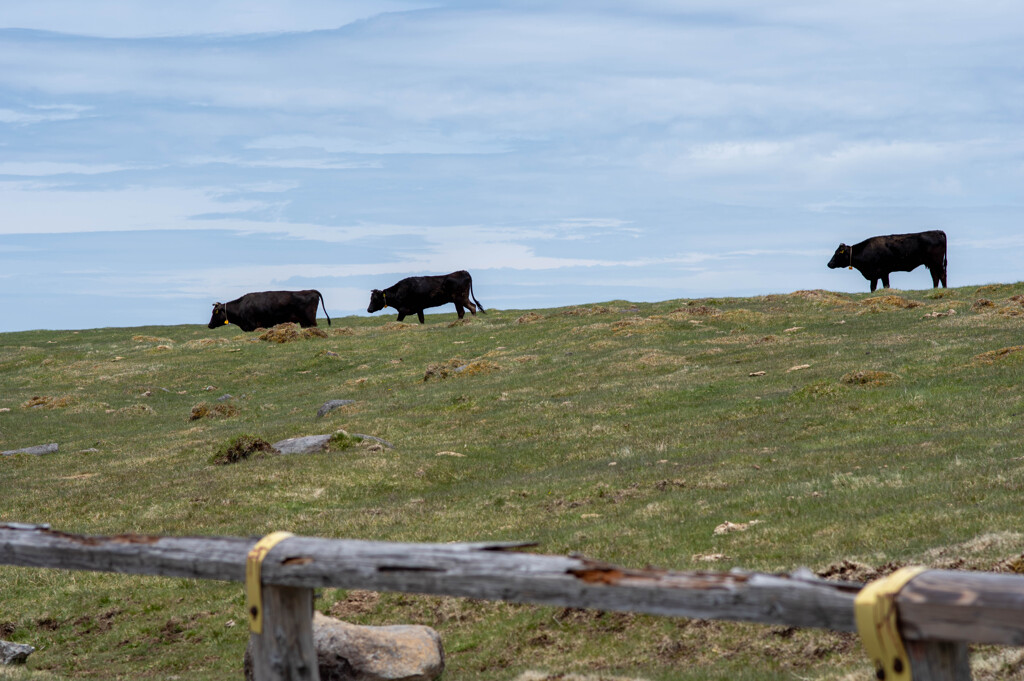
<point x="156" y="158"/>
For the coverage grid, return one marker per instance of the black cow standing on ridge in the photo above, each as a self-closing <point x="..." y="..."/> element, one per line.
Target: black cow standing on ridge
<point x="414" y="294"/>
<point x="269" y="308"/>
<point x="876" y="257"/>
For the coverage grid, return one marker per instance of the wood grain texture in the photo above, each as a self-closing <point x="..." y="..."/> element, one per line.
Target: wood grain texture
<point x="285" y="650"/>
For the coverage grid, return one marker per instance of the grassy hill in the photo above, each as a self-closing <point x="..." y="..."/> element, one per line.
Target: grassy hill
<point x="860" y="432"/>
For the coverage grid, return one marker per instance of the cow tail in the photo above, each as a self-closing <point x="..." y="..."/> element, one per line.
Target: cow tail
<point x="473" y="296"/>
<point x="324" y="305"/>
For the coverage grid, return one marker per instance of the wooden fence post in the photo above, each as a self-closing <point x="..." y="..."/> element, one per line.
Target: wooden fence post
<point x="284" y="651"/>
<point x="938" y="661"/>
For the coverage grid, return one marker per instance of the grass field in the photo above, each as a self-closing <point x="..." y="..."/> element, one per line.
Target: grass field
<point x="860" y="432"/>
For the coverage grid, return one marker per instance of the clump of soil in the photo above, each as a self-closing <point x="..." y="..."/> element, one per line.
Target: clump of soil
<point x="889" y="301"/>
<point x="585" y="311"/>
<point x="529" y="318"/>
<point x="289" y="332"/>
<point x="869" y="378"/>
<point x="459" y="367"/>
<point x="241" y="448"/>
<point x="357" y="602"/>
<point x="820" y="296"/>
<point x="136" y="410"/>
<point x="852" y="571"/>
<point x="982" y="304"/>
<point x="47" y="402"/>
<point x="993" y="355"/>
<point x="151" y="339"/>
<point x="698" y="310"/>
<point x="396" y="326"/>
<point x="205" y="410"/>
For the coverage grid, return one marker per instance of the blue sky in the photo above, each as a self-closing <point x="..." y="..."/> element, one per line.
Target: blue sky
<point x="158" y="157"/>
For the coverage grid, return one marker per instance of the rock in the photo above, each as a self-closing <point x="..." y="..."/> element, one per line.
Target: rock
<point x="309" y="444"/>
<point x="37" y="450"/>
<point x="14" y="653"/>
<point x="331" y="405"/>
<point x="374" y="438"/>
<point x="350" y="652"/>
<point x="225" y="397"/>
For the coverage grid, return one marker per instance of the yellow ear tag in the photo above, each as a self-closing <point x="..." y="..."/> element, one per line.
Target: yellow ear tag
<point x="849" y="268"/>
<point x="225" y="321"/>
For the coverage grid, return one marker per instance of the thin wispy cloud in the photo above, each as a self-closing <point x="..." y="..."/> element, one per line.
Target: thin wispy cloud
<point x="564" y="153"/>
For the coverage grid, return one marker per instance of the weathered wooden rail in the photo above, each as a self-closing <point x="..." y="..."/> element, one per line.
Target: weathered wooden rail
<point x="939" y="611"/>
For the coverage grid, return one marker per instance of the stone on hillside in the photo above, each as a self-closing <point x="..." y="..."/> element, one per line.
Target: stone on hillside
<point x="394" y="653"/>
<point x="14" y="653"/>
<point x="350" y="652"/>
<point x="331" y="405"/>
<point x="310" y="444"/>
<point x="36" y="450"/>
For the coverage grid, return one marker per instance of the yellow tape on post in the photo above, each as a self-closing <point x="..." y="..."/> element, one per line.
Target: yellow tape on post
<point x="253" y="581"/>
<point x="875" y="612"/>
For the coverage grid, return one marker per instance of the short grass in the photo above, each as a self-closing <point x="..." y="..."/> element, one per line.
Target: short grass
<point x="861" y="431"/>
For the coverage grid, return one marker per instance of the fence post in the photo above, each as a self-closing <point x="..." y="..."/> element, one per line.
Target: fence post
<point x="284" y="651"/>
<point x="938" y="661"/>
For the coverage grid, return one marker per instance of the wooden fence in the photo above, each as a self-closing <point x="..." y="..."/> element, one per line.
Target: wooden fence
<point x="917" y="627"/>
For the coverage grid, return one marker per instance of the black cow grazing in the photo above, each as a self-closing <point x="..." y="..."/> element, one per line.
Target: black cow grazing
<point x="415" y="294"/>
<point x="876" y="257"/>
<point x="269" y="308"/>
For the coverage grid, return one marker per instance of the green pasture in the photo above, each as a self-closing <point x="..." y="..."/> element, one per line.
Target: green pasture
<point x="846" y="433"/>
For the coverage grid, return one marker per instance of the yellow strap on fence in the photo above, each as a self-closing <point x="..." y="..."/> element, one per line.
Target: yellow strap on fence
<point x="253" y="582"/>
<point x="875" y="612"/>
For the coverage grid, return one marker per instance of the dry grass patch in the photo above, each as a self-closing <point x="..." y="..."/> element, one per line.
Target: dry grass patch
<point x="529" y="318"/>
<point x="48" y="402"/>
<point x="586" y="311"/>
<point x="396" y="326"/>
<point x="136" y="410"/>
<point x="822" y="297"/>
<point x="241" y="448"/>
<point x="889" y="302"/>
<point x="459" y="367"/>
<point x="151" y="339"/>
<point x="869" y="377"/>
<point x="217" y="411"/>
<point x="290" y="332"/>
<point x="204" y="343"/>
<point x="993" y="356"/>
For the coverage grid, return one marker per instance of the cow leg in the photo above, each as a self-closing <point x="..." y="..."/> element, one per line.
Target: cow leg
<point x="874" y="285"/>
<point x="420" y="315"/>
<point x="401" y="316"/>
<point x="459" y="311"/>
<point x="885" y="281"/>
<point x="471" y="306"/>
<point x="936" y="276"/>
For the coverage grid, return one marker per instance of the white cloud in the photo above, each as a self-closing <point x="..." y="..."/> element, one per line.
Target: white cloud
<point x="133" y="19"/>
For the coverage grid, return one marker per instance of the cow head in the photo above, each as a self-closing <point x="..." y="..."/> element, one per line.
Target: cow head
<point x="220" y="316"/>
<point x="843" y="257"/>
<point x="377" y="300"/>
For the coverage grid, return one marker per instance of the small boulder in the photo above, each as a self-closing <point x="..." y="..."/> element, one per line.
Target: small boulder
<point x="37" y="450"/>
<point x="331" y="405"/>
<point x="310" y="444"/>
<point x="14" y="653"/>
<point x="350" y="652"/>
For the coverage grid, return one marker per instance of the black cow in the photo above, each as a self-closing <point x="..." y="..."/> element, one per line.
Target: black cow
<point x="415" y="294"/>
<point x="876" y="257"/>
<point x="269" y="308"/>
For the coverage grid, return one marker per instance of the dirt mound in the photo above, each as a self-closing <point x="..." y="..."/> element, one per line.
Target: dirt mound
<point x="993" y="355"/>
<point x="204" y="343"/>
<point x="852" y="571"/>
<point x="696" y="309"/>
<point x="459" y="367"/>
<point x="889" y="302"/>
<point x="47" y="402"/>
<point x="529" y="318"/>
<point x="217" y="411"/>
<point x="869" y="378"/>
<point x="241" y="448"/>
<point x="290" y="332"/>
<point x="585" y="311"/>
<point x="396" y="326"/>
<point x="820" y="296"/>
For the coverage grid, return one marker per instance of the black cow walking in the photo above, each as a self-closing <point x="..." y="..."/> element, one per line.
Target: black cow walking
<point x="878" y="256"/>
<point x="269" y="308"/>
<point x="415" y="294"/>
